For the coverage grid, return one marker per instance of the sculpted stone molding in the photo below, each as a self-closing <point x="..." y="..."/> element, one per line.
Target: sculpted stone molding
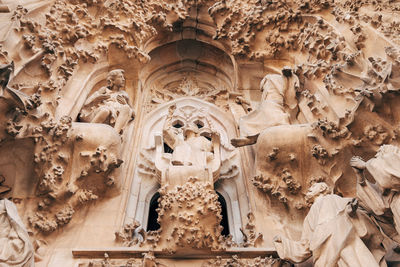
<point x="235" y="261"/>
<point x="148" y="260"/>
<point x="189" y="86"/>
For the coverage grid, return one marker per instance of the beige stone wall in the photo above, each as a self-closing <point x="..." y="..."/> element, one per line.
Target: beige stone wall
<point x="285" y="92"/>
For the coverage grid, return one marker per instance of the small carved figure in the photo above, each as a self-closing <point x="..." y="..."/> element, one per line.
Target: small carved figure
<point x="15" y="247"/>
<point x="278" y="91"/>
<point x="110" y="104"/>
<point x="335" y="233"/>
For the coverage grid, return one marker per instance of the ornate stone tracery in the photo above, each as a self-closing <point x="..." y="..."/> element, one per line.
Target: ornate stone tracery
<point x="106" y="105"/>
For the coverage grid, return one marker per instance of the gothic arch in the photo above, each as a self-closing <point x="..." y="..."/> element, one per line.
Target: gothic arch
<point x="145" y="181"/>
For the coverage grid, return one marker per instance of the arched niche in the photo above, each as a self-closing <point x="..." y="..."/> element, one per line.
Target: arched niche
<point x="88" y="78"/>
<point x="152" y="217"/>
<point x="224" y="214"/>
<point x="78" y="89"/>
<point x="228" y="190"/>
<point x="197" y="25"/>
<point x="171" y="63"/>
<point x="145" y="182"/>
<point x="151" y="206"/>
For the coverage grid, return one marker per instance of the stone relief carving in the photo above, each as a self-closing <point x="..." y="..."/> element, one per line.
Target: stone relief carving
<point x="344" y="54"/>
<point x="186" y="131"/>
<point x="380" y="198"/>
<point x="235" y="261"/>
<point x="189" y="155"/>
<point x="335" y="232"/>
<point x="251" y="237"/>
<point x="16" y="248"/>
<point x="148" y="260"/>
<point x="278" y="95"/>
<point x="189" y="86"/>
<point x="68" y="156"/>
<point x="187" y="163"/>
<point x="194" y="209"/>
<point x="109" y="104"/>
<point x="128" y="236"/>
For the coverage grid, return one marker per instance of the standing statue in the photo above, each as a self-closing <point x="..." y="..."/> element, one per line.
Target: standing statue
<point x="382" y="198"/>
<point x="110" y="104"/>
<point x="278" y="92"/>
<point x="15" y="247"/>
<point x="335" y="233"/>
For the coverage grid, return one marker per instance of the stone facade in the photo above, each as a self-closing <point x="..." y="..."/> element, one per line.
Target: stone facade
<point x="199" y="133"/>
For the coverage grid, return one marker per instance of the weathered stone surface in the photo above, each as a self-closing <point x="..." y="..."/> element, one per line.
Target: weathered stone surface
<point x="193" y="131"/>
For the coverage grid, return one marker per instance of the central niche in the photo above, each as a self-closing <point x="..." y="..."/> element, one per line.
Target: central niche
<point x="156" y="164"/>
<point x="186" y="85"/>
<point x="188" y="68"/>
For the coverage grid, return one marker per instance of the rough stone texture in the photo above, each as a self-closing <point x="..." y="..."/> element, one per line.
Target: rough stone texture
<point x="105" y="103"/>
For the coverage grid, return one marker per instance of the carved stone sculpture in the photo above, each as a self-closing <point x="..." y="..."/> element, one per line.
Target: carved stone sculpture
<point x="381" y="198"/>
<point x="109" y="104"/>
<point x="65" y="129"/>
<point x="187" y="178"/>
<point x="278" y="96"/>
<point x="185" y="132"/>
<point x="335" y="233"/>
<point x="15" y="247"/>
<point x="73" y="160"/>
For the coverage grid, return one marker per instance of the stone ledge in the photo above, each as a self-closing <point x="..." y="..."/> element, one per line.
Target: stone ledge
<point x="125" y="252"/>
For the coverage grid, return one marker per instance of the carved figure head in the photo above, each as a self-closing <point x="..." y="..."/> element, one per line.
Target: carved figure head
<point x="317" y="190"/>
<point x="116" y="79"/>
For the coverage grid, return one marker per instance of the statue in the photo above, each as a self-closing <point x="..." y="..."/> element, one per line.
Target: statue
<point x="190" y="148"/>
<point x="278" y="91"/>
<point x="15" y="247"/>
<point x="192" y="153"/>
<point x="110" y="104"/>
<point x="335" y="233"/>
<point x="279" y="144"/>
<point x="381" y="199"/>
